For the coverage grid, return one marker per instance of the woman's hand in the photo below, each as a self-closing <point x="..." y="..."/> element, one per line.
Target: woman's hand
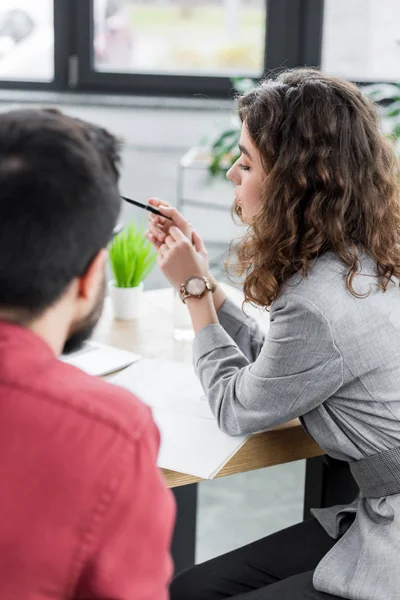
<point x="179" y="259"/>
<point x="159" y="227"/>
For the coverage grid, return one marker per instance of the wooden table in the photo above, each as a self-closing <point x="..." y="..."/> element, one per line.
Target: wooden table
<point x="152" y="336"/>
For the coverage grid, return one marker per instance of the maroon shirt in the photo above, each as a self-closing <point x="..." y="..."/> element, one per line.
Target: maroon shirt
<point x="84" y="511"/>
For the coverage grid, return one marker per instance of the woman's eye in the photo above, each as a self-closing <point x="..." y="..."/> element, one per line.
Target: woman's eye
<point x="243" y="167"/>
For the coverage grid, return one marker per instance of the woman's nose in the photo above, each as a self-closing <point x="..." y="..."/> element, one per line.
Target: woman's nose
<point x="232" y="174"/>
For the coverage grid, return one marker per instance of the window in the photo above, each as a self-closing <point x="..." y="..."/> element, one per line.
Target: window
<point x="186" y="37"/>
<point x="153" y="47"/>
<point x="361" y="39"/>
<point x="26" y="40"/>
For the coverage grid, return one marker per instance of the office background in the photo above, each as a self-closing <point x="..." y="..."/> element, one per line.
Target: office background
<point x="159" y="74"/>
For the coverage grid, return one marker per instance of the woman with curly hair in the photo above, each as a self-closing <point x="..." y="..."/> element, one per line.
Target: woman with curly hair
<point x="316" y="184"/>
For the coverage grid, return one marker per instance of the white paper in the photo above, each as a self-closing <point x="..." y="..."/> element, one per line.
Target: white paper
<point x="167" y="385"/>
<point x="191" y="441"/>
<point x="194" y="445"/>
<point x="99" y="359"/>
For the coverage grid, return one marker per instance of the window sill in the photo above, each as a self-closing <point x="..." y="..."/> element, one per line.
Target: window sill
<point x="109" y="100"/>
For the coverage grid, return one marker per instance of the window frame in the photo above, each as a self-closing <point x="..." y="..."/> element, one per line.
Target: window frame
<point x="293" y="38"/>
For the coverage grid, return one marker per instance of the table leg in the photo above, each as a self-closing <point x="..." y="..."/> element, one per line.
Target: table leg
<point x="328" y="482"/>
<point x="184" y="540"/>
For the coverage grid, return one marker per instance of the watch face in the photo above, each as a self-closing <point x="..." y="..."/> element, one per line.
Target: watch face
<point x="196" y="286"/>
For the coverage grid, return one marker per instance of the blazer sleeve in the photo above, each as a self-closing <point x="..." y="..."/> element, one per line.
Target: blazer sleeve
<point x="245" y="331"/>
<point x="297" y="369"/>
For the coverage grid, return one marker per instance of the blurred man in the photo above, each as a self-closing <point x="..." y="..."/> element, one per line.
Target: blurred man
<point x="84" y="511"/>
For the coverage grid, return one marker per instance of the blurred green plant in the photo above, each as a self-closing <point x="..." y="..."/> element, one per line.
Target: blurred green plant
<point x="387" y="95"/>
<point x="131" y="256"/>
<point x="224" y="149"/>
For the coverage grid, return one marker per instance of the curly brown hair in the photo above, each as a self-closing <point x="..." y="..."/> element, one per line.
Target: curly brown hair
<point x="331" y="183"/>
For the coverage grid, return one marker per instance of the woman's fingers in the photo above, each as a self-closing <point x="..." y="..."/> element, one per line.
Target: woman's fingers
<point x="176" y="235"/>
<point x="154" y="201"/>
<point x="157" y="221"/>
<point x="157" y="202"/>
<point x="152" y="238"/>
<point x="158" y="225"/>
<point x="155" y="238"/>
<point x="169" y="242"/>
<point x="198" y="242"/>
<point x="177" y="219"/>
<point x="163" y="250"/>
<point x="176" y="216"/>
<point x="157" y="229"/>
<point x="163" y="223"/>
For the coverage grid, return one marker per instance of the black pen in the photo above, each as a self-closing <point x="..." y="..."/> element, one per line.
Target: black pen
<point x="151" y="209"/>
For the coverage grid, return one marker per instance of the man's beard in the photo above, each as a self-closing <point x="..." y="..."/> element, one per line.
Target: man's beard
<point x="83" y="330"/>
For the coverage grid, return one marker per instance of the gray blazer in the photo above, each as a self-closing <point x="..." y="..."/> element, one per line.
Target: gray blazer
<point x="333" y="360"/>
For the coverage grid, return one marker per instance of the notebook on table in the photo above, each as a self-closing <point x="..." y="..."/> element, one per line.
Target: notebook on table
<point x="99" y="359"/>
<point x="191" y="441"/>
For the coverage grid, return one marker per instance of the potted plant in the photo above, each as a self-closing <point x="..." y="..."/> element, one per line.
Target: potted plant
<point x="132" y="258"/>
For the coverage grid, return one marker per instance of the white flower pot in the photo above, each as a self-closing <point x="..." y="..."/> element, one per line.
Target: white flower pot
<point x="125" y="301"/>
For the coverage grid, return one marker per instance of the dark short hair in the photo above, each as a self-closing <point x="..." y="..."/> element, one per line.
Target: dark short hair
<point x="59" y="203"/>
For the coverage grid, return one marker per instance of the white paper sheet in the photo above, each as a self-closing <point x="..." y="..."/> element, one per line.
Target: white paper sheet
<point x="166" y="384"/>
<point x="194" y="445"/>
<point x="191" y="441"/>
<point x="99" y="359"/>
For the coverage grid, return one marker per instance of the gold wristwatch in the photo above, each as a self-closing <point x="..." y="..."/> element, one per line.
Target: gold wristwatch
<point x="195" y="287"/>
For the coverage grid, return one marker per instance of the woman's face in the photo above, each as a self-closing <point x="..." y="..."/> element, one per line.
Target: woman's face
<point x="248" y="176"/>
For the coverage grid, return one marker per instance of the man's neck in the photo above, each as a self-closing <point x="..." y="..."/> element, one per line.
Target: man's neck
<point x="52" y="326"/>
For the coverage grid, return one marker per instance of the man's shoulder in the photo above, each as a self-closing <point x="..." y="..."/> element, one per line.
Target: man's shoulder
<point x="88" y="397"/>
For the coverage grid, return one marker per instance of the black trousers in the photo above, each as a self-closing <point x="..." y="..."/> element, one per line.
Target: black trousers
<point x="278" y="567"/>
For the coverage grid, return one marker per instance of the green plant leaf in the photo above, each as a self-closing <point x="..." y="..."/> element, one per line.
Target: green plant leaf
<point x="132" y="256"/>
<point x="388" y="94"/>
<point x="243" y="85"/>
<point x="395" y="133"/>
<point x="223" y="149"/>
<point x="229" y="135"/>
<point x="393" y="110"/>
<point x="382" y="91"/>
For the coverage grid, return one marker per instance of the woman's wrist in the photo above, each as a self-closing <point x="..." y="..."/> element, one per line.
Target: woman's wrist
<point x="202" y="311"/>
<point x="219" y="295"/>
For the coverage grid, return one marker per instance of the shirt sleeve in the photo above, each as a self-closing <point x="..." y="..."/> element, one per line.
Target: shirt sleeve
<point x="133" y="559"/>
<point x="245" y="331"/>
<point x="297" y="369"/>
